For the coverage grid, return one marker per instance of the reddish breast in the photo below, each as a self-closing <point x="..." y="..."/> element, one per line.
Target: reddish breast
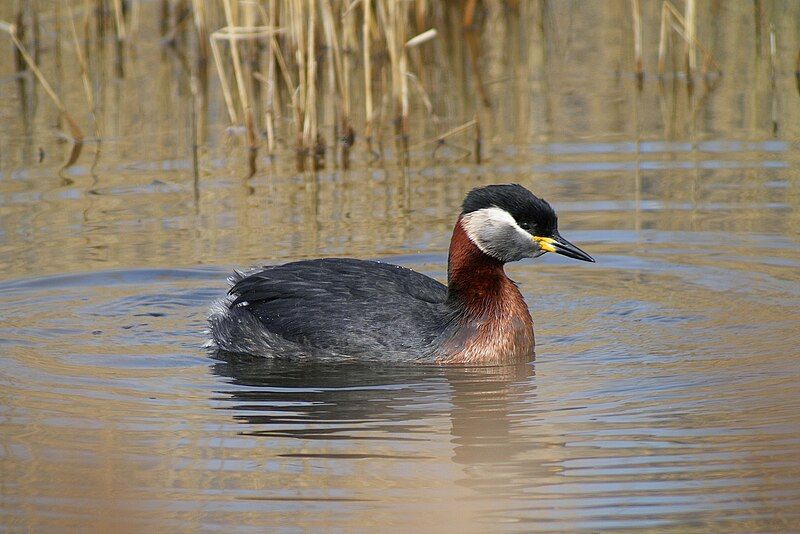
<point x="495" y="325"/>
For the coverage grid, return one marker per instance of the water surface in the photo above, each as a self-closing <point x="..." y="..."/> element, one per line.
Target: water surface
<point x="664" y="394"/>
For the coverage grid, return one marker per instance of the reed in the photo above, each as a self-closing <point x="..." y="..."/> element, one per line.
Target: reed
<point x="332" y="69"/>
<point x="311" y="134"/>
<point x="441" y="140"/>
<point x="662" y="40"/>
<point x="84" y="68"/>
<point x="478" y="141"/>
<point x="318" y="75"/>
<point x="241" y="80"/>
<point x="685" y="28"/>
<point x="19" y="30"/>
<point x="37" y="32"/>
<point x="272" y="104"/>
<point x="347" y="135"/>
<point x="119" y="21"/>
<point x="57" y="51"/>
<point x="394" y="24"/>
<point x="314" y="48"/>
<point x="164" y="17"/>
<point x="200" y="17"/>
<point x="690" y="26"/>
<point x="773" y="69"/>
<point x="637" y="41"/>
<point x="339" y="36"/>
<point x="77" y="133"/>
<point x="365" y="39"/>
<point x="314" y="57"/>
<point x="797" y="71"/>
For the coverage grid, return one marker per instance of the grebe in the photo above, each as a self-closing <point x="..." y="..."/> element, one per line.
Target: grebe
<point x="347" y="308"/>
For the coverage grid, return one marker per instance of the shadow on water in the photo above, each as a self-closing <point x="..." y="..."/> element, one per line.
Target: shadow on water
<point x="320" y="400"/>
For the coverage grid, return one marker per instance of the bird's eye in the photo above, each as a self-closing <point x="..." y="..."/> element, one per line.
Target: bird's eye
<point x="525" y="226"/>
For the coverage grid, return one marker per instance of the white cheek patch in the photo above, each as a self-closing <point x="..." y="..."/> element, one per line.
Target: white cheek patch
<point x="486" y="226"/>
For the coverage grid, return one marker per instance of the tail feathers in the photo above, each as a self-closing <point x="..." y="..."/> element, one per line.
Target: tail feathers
<point x="237" y="330"/>
<point x="237" y="276"/>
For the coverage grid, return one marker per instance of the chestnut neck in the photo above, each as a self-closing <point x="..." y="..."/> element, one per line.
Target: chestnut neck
<point x="495" y="325"/>
<point x="476" y="281"/>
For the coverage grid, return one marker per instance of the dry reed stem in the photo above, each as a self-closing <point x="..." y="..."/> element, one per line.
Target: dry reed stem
<point x="339" y="78"/>
<point x="223" y="80"/>
<point x="350" y="8"/>
<point x="662" y="41"/>
<point x="77" y="134"/>
<point x="691" y="30"/>
<point x="478" y="141"/>
<point x="797" y="71"/>
<point x="200" y="17"/>
<point x="400" y="17"/>
<point x="423" y="37"/>
<point x="164" y="17"/>
<point x="285" y="72"/>
<point x="252" y="51"/>
<point x="87" y="84"/>
<point x="637" y="40"/>
<point x="243" y="33"/>
<point x="57" y="48"/>
<point x="341" y="62"/>
<point x="272" y="104"/>
<point x="368" y="71"/>
<point x="86" y="20"/>
<point x="423" y="94"/>
<point x="310" y="127"/>
<point x="37" y="29"/>
<point x="133" y="31"/>
<point x="239" y="75"/>
<point x="310" y="119"/>
<point x="348" y="135"/>
<point x="19" y="28"/>
<point x="233" y="34"/>
<point x="473" y="49"/>
<point x="393" y="23"/>
<point x="334" y="63"/>
<point x="416" y="41"/>
<point x="670" y="17"/>
<point x="449" y="133"/>
<point x="421" y="12"/>
<point x="773" y="51"/>
<point x="119" y="20"/>
<point x="297" y="32"/>
<point x="469" y="13"/>
<point x="382" y="30"/>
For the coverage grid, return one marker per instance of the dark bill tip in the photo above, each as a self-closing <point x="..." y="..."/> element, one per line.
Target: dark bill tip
<point x="565" y="248"/>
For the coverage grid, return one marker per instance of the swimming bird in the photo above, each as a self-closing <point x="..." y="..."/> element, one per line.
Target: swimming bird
<point x="355" y="309"/>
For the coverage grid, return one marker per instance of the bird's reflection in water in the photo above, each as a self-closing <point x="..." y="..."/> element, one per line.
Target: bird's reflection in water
<point x="321" y="400"/>
<point x="482" y="404"/>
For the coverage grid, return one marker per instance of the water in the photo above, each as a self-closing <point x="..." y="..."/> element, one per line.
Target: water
<point x="664" y="394"/>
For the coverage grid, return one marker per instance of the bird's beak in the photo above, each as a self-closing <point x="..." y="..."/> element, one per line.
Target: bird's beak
<point x="559" y="245"/>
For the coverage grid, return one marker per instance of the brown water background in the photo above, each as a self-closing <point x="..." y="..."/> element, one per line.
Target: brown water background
<point x="666" y="388"/>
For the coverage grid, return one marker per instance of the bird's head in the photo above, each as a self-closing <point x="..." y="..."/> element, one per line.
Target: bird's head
<point x="509" y="223"/>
